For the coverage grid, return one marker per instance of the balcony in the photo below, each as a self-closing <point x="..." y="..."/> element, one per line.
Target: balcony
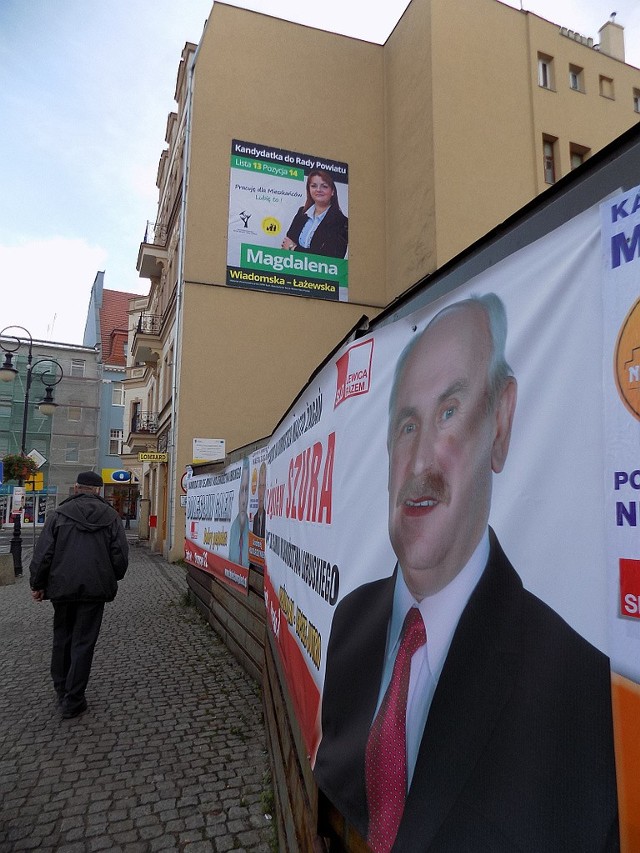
<point x="147" y="346"/>
<point x="153" y="254"/>
<point x="144" y="422"/>
<point x="142" y="437"/>
<point x="149" y="324"/>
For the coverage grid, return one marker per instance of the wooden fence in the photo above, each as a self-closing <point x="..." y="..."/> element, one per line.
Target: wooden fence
<point x="301" y="812"/>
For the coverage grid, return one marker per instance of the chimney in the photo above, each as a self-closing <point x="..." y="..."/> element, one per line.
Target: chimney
<point x="612" y="39"/>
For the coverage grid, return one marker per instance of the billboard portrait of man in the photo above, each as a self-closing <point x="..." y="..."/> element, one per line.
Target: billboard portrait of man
<point x="459" y="711"/>
<point x="239" y="533"/>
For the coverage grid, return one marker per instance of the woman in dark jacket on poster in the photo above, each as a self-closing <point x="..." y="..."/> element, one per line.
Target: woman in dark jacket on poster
<point x="319" y="227"/>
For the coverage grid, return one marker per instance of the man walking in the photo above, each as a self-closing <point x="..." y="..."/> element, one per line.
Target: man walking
<point x="80" y="556"/>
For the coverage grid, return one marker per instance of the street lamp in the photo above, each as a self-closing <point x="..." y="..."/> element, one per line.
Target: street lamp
<point x="47" y="406"/>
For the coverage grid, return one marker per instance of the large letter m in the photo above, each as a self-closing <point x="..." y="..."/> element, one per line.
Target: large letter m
<point x="623" y="247"/>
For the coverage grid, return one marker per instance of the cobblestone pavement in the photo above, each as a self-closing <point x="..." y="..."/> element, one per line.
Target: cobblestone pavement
<point x="171" y="754"/>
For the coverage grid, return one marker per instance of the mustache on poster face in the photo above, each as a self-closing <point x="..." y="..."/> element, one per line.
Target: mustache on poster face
<point x="430" y="485"/>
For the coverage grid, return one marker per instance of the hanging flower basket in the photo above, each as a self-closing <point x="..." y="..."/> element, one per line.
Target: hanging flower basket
<point x="18" y="467"/>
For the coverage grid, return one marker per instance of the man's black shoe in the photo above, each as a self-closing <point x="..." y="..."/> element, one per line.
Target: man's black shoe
<point x="70" y="713"/>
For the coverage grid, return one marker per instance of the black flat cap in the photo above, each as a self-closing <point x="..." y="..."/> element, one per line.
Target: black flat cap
<point x="89" y="478"/>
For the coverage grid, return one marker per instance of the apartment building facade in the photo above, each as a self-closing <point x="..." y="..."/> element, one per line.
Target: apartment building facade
<point x="469" y="110"/>
<point x="67" y="441"/>
<point x="107" y="329"/>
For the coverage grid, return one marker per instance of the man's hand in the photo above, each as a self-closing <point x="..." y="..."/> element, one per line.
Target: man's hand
<point x="37" y="594"/>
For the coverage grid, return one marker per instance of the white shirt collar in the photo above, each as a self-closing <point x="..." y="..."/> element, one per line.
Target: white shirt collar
<point x="441" y="611"/>
<point x="316" y="217"/>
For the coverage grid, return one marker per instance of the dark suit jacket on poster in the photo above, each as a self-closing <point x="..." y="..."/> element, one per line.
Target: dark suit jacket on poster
<point x="330" y="237"/>
<point x="517" y="752"/>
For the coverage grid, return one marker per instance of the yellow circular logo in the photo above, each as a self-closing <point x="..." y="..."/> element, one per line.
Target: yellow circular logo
<point x="271" y="226"/>
<point x="627" y="361"/>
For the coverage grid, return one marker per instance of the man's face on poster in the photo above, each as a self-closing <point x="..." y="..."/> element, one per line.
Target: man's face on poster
<point x="262" y="485"/>
<point x="444" y="443"/>
<point x="243" y="499"/>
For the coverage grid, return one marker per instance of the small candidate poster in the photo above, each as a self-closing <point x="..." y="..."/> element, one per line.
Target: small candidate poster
<point x="288" y="222"/>
<point x="217" y="524"/>
<point x="257" y="509"/>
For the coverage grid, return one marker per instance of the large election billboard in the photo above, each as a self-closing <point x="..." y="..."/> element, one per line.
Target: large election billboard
<point x="473" y="461"/>
<point x="288" y="222"/>
<point x="434" y="479"/>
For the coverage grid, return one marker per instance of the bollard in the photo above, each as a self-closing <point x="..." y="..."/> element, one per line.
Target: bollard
<point x="16" y="547"/>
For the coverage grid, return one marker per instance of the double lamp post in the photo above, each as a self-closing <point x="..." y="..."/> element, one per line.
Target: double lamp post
<point x="50" y="377"/>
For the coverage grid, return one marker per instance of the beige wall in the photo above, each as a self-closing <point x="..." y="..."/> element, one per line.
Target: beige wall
<point x="442" y="131"/>
<point x="410" y="230"/>
<point x="585" y="118"/>
<point x="250" y="354"/>
<point x="465" y="118"/>
<point x="321" y="95"/>
<point x="482" y="115"/>
<point x="246" y="354"/>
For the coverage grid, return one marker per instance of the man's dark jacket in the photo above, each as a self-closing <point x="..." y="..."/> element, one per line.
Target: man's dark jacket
<point x="517" y="751"/>
<point x="330" y="237"/>
<point x="82" y="551"/>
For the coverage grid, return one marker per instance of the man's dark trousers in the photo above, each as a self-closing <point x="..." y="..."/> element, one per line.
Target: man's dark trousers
<point x="76" y="625"/>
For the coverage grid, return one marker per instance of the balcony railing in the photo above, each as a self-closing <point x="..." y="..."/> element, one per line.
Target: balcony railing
<point x="149" y="324"/>
<point x="145" y="422"/>
<point x="155" y="234"/>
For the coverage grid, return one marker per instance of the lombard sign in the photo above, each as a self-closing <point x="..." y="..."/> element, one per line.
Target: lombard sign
<point x="153" y="457"/>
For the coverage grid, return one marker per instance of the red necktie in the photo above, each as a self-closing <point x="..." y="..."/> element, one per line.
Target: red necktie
<point x="386" y="753"/>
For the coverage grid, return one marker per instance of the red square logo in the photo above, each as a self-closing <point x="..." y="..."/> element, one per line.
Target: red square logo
<point x="630" y="588"/>
<point x="354" y="372"/>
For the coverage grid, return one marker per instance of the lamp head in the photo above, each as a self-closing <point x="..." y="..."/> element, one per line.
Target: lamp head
<point x="47" y="406"/>
<point x="8" y="372"/>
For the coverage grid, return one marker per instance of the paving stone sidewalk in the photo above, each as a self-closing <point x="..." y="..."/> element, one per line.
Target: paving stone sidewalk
<point x="171" y="754"/>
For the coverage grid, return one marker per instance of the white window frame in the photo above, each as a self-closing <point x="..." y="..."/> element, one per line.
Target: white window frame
<point x="117" y="393"/>
<point x="78" y="366"/>
<point x="116" y="436"/>
<point x="545" y="71"/>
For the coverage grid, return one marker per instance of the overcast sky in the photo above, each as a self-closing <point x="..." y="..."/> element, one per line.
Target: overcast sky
<point x="86" y="89"/>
